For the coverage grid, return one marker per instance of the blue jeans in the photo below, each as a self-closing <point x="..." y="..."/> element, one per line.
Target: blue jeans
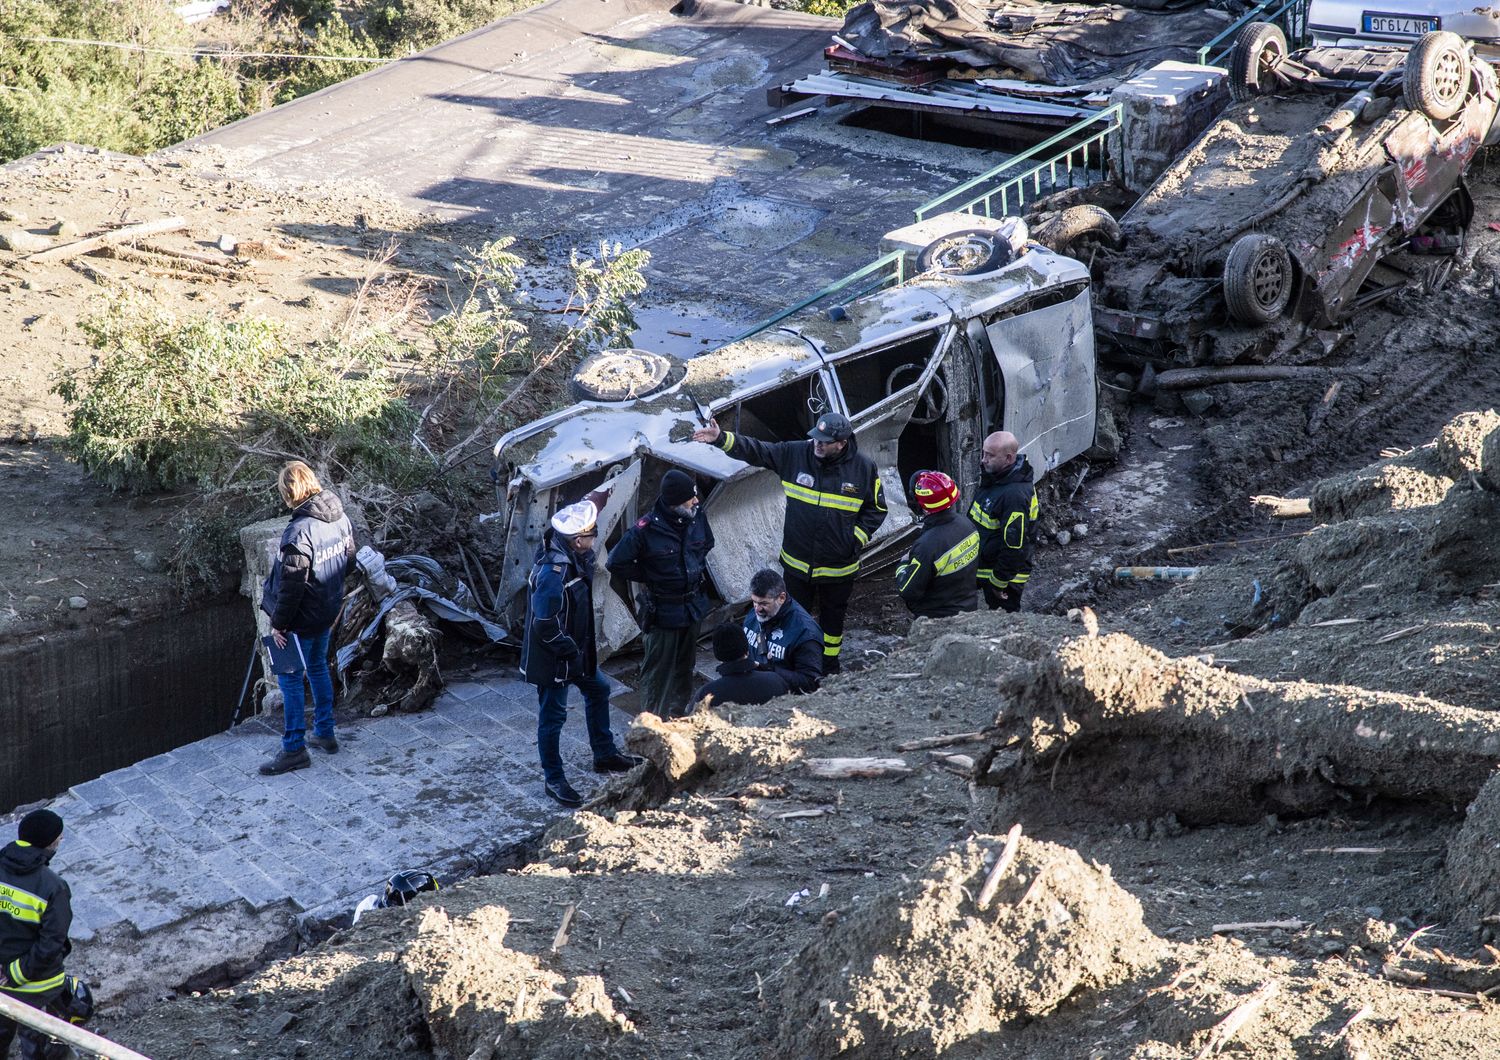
<point x="294" y="701"/>
<point x="552" y="711"/>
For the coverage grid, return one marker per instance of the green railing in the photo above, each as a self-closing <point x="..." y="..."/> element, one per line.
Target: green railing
<point x="1290" y="15"/>
<point x="1085" y="152"/>
<point x="888" y="270"/>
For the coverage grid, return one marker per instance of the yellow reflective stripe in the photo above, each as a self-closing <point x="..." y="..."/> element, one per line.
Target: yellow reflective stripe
<point x="795" y="564"/>
<point x="982" y="517"/>
<point x="861" y="536"/>
<point x="726" y="440"/>
<point x="959" y="556"/>
<point x="879" y="504"/>
<point x="21" y="905"/>
<point x="1020" y="579"/>
<point x="988" y="577"/>
<point x="21" y="985"/>
<point x="820" y="500"/>
<point x="829" y="638"/>
<point x="788" y="560"/>
<point x="1034" y="507"/>
<point x="1021" y="540"/>
<point x="909" y="569"/>
<point x="832" y="645"/>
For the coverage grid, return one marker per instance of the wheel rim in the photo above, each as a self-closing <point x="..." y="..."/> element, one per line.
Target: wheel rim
<point x="1445" y="76"/>
<point x="962" y="253"/>
<point x="1265" y="63"/>
<point x="1267" y="281"/>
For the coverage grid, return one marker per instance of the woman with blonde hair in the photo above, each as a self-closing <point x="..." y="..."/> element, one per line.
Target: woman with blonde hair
<point x="303" y="595"/>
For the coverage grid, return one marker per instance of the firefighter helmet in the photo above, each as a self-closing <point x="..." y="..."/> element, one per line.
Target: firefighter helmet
<point x="404" y="886"/>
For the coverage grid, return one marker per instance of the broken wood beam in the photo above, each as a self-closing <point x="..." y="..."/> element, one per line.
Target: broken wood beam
<point x="1194" y="378"/>
<point x="1007" y="855"/>
<point x="1260" y="925"/>
<point x="941" y="741"/>
<point x="560" y="939"/>
<point x="104" y="239"/>
<point x="1284" y="507"/>
<point x="857" y="768"/>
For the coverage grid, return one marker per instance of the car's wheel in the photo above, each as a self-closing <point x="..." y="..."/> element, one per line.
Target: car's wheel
<point x="966" y="253"/>
<point x="1073" y="228"/>
<point x="620" y="375"/>
<point x="1436" y="77"/>
<point x="1258" y="279"/>
<point x="1258" y="49"/>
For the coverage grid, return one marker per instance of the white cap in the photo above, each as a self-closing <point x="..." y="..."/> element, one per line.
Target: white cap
<point x="576" y="518"/>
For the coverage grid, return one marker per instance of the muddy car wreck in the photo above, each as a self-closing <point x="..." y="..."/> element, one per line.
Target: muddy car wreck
<point x="982" y="329"/>
<point x="1291" y="213"/>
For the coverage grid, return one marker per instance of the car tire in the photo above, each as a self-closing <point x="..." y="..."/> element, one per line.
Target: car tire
<point x="1063" y="232"/>
<point x="1258" y="279"/>
<point x="1257" y="48"/>
<point x="624" y="374"/>
<point x="1436" y="78"/>
<point x="966" y="253"/>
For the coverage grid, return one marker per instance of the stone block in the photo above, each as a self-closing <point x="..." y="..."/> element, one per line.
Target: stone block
<point x="1163" y="110"/>
<point x="98" y="794"/>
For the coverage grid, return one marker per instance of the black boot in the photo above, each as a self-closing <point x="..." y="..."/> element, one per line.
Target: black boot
<point x="562" y="792"/>
<point x="286" y="761"/>
<point x="616" y="763"/>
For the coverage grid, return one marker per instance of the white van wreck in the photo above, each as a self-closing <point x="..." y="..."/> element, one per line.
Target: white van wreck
<point x="989" y="331"/>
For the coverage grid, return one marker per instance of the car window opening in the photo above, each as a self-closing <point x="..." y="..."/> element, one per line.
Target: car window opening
<point x="869" y="380"/>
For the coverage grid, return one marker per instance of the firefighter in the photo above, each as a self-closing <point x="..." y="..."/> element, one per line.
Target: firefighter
<point x="559" y="648"/>
<point x="833" y="508"/>
<point x="665" y="551"/>
<point x="1005" y="511"/>
<point x="36" y="912"/>
<point x="937" y="579"/>
<point x="782" y="637"/>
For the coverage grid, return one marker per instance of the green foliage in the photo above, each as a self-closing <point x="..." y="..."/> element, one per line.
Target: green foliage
<point x="403" y="26"/>
<point x="828" y="8"/>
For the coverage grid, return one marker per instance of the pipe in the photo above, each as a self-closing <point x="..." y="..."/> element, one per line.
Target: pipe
<point x="1157" y="574"/>
<point x="85" y="1041"/>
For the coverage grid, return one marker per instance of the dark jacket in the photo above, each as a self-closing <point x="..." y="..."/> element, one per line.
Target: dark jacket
<point x="35" y="913"/>
<point x="1004" y="510"/>
<point x="741" y="682"/>
<point x="559" y="645"/>
<point x="305" y="589"/>
<point x="790" y="646"/>
<point x="665" y="551"/>
<point x="832" y="509"/>
<point x="937" y="579"/>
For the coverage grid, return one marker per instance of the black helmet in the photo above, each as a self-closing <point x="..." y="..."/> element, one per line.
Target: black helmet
<point x="404" y="886"/>
<point x="831" y="427"/>
<point x="76" y="1003"/>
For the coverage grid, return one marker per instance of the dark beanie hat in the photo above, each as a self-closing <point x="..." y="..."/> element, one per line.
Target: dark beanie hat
<point x="729" y="643"/>
<point x="677" y="487"/>
<point x="40" y="828"/>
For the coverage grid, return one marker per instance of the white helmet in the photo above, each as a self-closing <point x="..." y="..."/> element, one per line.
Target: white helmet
<point x="575" y="519"/>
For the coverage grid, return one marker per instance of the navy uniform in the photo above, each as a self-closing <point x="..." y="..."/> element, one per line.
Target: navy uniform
<point x="1005" y="511"/>
<point x="833" y="508"/>
<point x="789" y="644"/>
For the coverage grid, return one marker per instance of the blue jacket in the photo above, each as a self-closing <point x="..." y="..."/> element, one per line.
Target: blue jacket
<point x="741" y="682"/>
<point x="559" y="644"/>
<point x="789" y="645"/>
<point x="305" y="589"/>
<point x="665" y="551"/>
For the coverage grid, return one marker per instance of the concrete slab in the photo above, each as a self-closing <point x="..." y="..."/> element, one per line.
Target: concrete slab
<point x="577" y="121"/>
<point x="148" y="849"/>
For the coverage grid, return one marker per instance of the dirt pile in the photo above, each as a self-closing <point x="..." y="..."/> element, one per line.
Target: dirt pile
<point x="928" y="966"/>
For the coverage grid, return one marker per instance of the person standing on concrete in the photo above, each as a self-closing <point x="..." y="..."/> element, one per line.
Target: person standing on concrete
<point x="665" y="551"/>
<point x="303" y="595"/>
<point x="36" y="912"/>
<point x="937" y="578"/>
<point x="1005" y="511"/>
<point x="833" y="508"/>
<point x="739" y="681"/>
<point x="559" y="648"/>
<point x="782" y="637"/>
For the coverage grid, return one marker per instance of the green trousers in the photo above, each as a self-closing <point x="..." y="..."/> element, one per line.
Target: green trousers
<point x="667" y="670"/>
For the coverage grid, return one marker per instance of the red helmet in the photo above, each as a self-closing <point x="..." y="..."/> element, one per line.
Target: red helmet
<point x="934" y="492"/>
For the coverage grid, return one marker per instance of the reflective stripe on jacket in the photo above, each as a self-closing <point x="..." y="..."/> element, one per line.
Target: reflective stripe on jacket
<point x="937" y="579"/>
<point x="832" y="509"/>
<point x="1005" y="509"/>
<point x="36" y="912"/>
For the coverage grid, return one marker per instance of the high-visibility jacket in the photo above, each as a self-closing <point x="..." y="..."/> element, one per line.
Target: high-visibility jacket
<point x="937" y="579"/>
<point x="1004" y="510"/>
<point x="36" y="912"/>
<point x="832" y="508"/>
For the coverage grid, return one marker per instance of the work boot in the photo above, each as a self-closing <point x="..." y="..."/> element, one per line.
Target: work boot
<point x="830" y="665"/>
<point x="562" y="793"/>
<point x="616" y="763"/>
<point x="286" y="761"/>
<point x="326" y="744"/>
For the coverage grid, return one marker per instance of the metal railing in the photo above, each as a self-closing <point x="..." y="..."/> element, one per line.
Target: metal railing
<point x="888" y="270"/>
<point x="1290" y="15"/>
<point x="85" y="1042"/>
<point x="1085" y="153"/>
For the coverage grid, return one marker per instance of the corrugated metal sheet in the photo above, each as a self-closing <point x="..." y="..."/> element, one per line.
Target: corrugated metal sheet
<point x="969" y="97"/>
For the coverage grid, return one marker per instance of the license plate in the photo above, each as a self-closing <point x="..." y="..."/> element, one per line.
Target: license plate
<point x="1399" y="25"/>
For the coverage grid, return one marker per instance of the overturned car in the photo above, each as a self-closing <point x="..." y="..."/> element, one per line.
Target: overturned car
<point x="992" y="331"/>
<point x="1290" y="212"/>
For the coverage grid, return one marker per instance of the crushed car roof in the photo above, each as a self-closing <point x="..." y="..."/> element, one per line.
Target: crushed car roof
<point x="594" y="434"/>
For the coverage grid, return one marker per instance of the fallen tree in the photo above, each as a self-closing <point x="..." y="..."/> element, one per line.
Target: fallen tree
<point x="1114" y="723"/>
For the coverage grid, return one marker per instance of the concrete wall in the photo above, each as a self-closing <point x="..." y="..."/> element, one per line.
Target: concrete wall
<point x="1163" y="110"/>
<point x="78" y="703"/>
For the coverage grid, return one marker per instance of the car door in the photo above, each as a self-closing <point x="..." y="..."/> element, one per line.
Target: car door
<point x="1046" y="359"/>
